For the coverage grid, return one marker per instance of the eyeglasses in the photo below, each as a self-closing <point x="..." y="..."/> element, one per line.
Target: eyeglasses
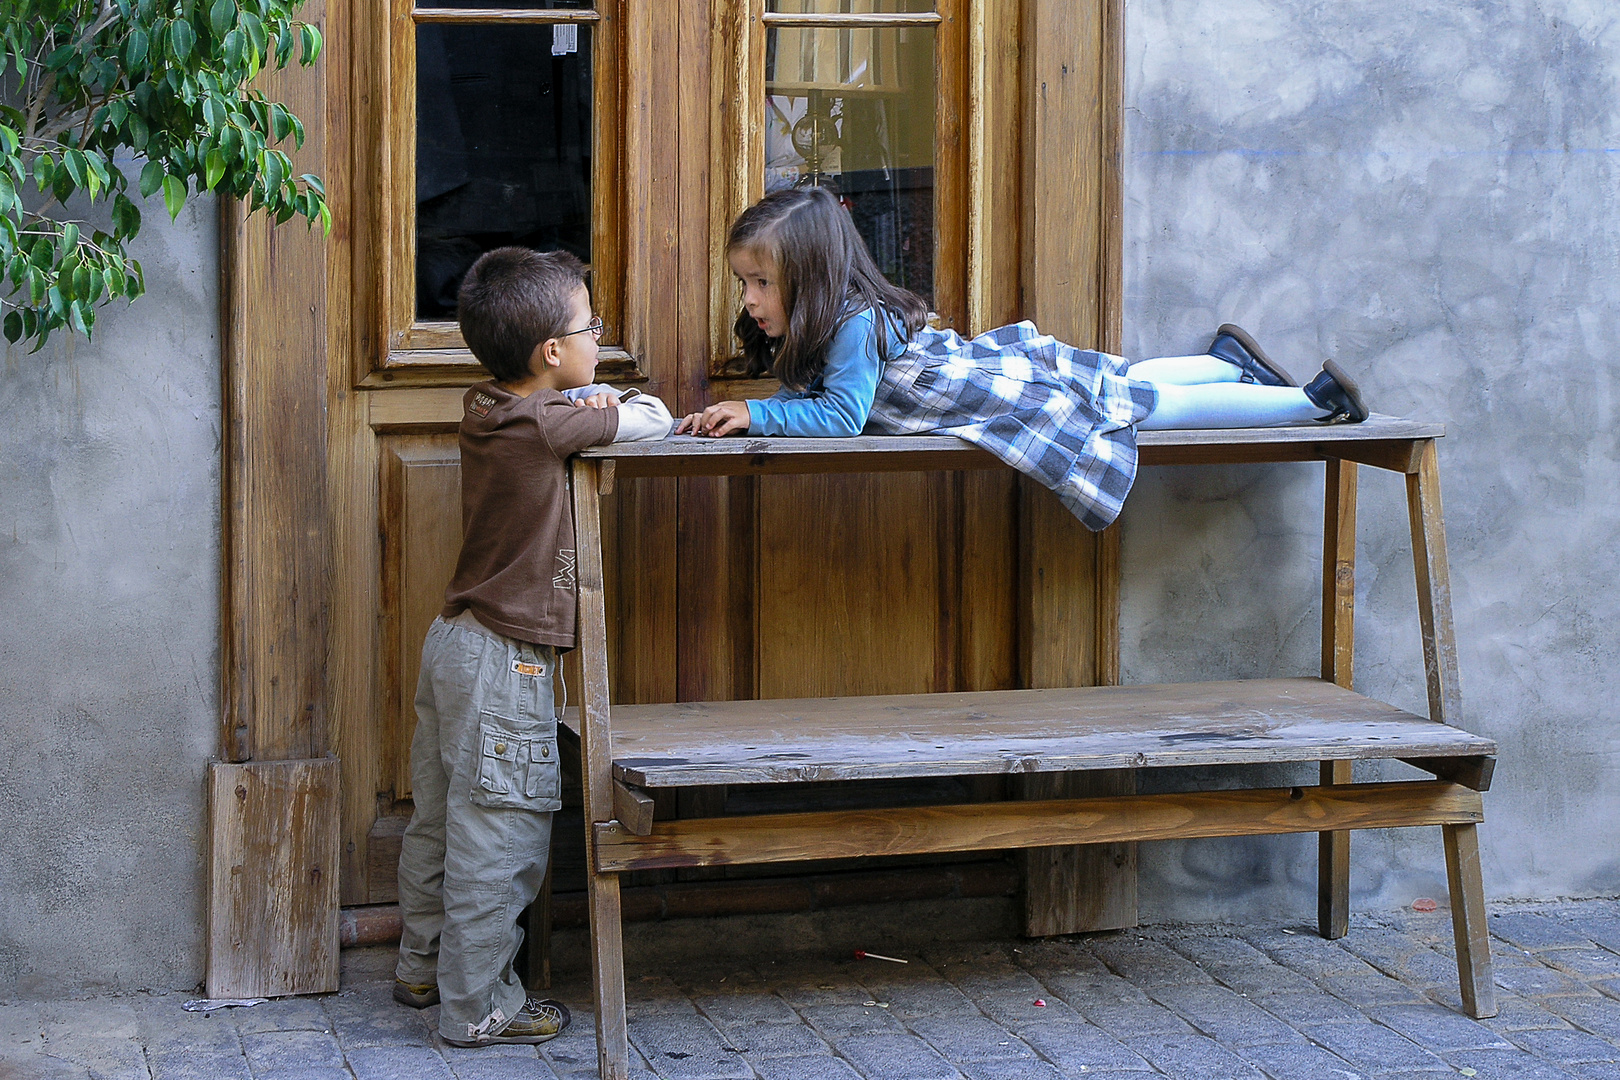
<point x="595" y="326"/>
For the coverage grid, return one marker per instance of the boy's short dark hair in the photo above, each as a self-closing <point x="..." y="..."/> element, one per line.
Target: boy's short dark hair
<point x="511" y="300"/>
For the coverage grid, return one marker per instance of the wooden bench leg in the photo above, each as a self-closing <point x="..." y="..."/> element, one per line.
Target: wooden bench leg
<point x="1338" y="658"/>
<point x="1468" y="920"/>
<point x="596" y="770"/>
<point x="537" y="940"/>
<point x="1433" y="587"/>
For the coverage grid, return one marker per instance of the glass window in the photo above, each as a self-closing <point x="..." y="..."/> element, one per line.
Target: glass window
<point x="852" y="109"/>
<point x="852" y="7"/>
<point x="503" y="146"/>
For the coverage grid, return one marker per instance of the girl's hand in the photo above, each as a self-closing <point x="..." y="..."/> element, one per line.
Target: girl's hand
<point x="597" y="401"/>
<point x="726" y="418"/>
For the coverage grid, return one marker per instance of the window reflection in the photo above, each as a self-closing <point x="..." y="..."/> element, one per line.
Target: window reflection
<point x="503" y="148"/>
<point x="853" y="110"/>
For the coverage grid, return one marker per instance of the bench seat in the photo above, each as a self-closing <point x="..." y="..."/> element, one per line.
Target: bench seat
<point x="1020" y="731"/>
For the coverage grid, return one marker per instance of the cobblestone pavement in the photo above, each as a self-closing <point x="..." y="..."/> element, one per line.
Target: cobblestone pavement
<point x="1190" y="1002"/>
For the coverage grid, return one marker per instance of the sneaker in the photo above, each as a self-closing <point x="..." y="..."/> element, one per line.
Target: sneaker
<point x="1234" y="345"/>
<point x="537" y="1022"/>
<point x="1338" y="394"/>
<point x="416" y="995"/>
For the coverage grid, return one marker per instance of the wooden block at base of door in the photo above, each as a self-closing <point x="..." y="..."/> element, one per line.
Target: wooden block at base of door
<point x="273" y="878"/>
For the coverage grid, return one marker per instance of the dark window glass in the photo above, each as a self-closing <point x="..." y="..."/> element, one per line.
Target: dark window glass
<point x="511" y="5"/>
<point x="503" y="148"/>
<point x="854" y="7"/>
<point x="852" y="110"/>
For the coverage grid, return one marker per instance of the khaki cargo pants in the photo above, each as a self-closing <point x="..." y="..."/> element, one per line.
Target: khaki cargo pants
<point x="485" y="780"/>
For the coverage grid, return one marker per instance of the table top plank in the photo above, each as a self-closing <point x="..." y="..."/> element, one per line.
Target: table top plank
<point x="1017" y="731"/>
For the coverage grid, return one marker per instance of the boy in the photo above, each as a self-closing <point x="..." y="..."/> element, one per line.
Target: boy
<point x="484" y="759"/>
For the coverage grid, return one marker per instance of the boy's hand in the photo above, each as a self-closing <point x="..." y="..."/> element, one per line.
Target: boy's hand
<point x="597" y="401"/>
<point x="726" y="418"/>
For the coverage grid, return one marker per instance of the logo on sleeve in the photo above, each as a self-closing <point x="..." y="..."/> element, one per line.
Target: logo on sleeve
<point x="481" y="403"/>
<point x="564" y="578"/>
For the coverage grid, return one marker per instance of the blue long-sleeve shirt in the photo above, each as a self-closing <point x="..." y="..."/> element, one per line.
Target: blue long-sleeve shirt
<point x="837" y="403"/>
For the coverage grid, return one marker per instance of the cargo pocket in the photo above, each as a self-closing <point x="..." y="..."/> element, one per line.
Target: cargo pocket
<point x="517" y="770"/>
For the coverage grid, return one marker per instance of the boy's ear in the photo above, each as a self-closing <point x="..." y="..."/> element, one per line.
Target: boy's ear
<point x="545" y="355"/>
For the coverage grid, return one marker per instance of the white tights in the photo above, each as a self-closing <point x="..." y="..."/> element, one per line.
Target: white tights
<point x="1205" y="392"/>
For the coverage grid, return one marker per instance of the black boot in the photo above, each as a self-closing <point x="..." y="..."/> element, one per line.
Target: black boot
<point x="1234" y="345"/>
<point x="1337" y="393"/>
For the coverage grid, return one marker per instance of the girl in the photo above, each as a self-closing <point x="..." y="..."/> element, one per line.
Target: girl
<point x="854" y="354"/>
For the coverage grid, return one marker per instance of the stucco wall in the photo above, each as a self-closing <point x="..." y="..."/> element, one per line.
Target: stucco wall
<point x="109" y="656"/>
<point x="1428" y="190"/>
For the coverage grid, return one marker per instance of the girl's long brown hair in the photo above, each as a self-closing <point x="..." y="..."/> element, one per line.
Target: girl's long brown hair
<point x="824" y="274"/>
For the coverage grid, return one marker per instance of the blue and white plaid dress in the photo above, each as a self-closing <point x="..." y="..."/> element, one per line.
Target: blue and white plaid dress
<point x="1064" y="416"/>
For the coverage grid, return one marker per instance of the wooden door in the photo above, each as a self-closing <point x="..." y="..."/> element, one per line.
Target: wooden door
<point x="977" y="126"/>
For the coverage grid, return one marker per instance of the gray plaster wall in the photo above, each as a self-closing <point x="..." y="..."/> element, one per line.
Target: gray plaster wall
<point x="1428" y="190"/>
<point x="109" y="581"/>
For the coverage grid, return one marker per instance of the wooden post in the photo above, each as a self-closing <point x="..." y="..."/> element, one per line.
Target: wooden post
<point x="1468" y="925"/>
<point x="596" y="761"/>
<point x="1433" y="586"/>
<point x="1338" y="657"/>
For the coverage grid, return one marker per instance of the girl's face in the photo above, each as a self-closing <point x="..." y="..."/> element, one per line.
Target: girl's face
<point x="762" y="296"/>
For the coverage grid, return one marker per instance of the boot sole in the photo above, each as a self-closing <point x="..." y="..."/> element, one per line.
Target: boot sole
<point x="498" y="1040"/>
<point x="1241" y="336"/>
<point x="1358" y="407"/>
<point x="416" y="1001"/>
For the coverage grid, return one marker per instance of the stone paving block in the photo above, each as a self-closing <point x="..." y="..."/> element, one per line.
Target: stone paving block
<point x="1381" y="947"/>
<point x="369" y="1016"/>
<point x="1425" y="968"/>
<point x="962" y="1040"/>
<point x="909" y="1000"/>
<point x="1535" y="932"/>
<point x="1505" y="1065"/>
<point x="270" y="1051"/>
<point x="1207" y="950"/>
<point x="729" y="1009"/>
<point x="812" y="1067"/>
<point x="837" y="1022"/>
<point x="1439" y="1029"/>
<point x="167" y="1029"/>
<point x="1432" y="928"/>
<point x="1610" y="987"/>
<point x="1256" y="979"/>
<point x="1016" y="1012"/>
<point x="1149" y="963"/>
<point x="766" y="1040"/>
<point x="197" y="1065"/>
<point x="687" y="1048"/>
<point x="1595" y="925"/>
<point x="1317" y="1007"/>
<point x="1010" y="1070"/>
<point x="105" y="1059"/>
<point x="572" y="1051"/>
<point x="23" y="1063"/>
<point x="1126" y="1021"/>
<point x="1587" y="964"/>
<point x="1300" y="1061"/>
<point x="1372" y="1047"/>
<point x="821" y="990"/>
<point x="1013" y="982"/>
<point x="400" y="1063"/>
<point x="313" y="1072"/>
<point x="90" y="1018"/>
<point x="1566" y="1047"/>
<point x="1597" y="1015"/>
<point x="1512" y="1013"/>
<point x="1082" y="990"/>
<point x="1315" y="959"/>
<point x="504" y="1068"/>
<point x="896" y="1057"/>
<point x="1591" y="1072"/>
<point x="1539" y="981"/>
<point x="1194" y="1057"/>
<point x="1082" y="1049"/>
<point x="282" y="1014"/>
<point x="1226" y="1017"/>
<point x="1369" y="989"/>
<point x="20" y="1024"/>
<point x="1058" y="956"/>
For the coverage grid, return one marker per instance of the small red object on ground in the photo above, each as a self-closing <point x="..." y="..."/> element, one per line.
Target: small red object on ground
<point x="1040" y="1002"/>
<point x="1423" y="903"/>
<point x="862" y="954"/>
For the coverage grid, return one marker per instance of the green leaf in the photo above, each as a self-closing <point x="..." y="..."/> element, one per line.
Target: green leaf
<point x="312" y="43"/>
<point x="221" y="16"/>
<point x="135" y="49"/>
<point x="151" y="178"/>
<point x="8" y="137"/>
<point x="44" y="171"/>
<point x="235" y="47"/>
<point x="181" y="39"/>
<point x="14" y="326"/>
<point x="73" y="161"/>
<point x="174" y="195"/>
<point x="70" y="239"/>
<point x="216" y="168"/>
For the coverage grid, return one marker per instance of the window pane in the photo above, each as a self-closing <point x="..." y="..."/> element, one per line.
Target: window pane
<point x="503" y="148"/>
<point x="854" y="7"/>
<point x="511" y="5"/>
<point x="853" y="111"/>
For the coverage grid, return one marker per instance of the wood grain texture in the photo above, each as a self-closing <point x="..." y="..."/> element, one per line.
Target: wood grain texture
<point x="1470" y="930"/>
<point x="273" y="883"/>
<point x="1081" y="888"/>
<point x="1470" y="772"/>
<point x="1057" y="619"/>
<point x="633" y="808"/>
<point x="607" y="931"/>
<point x="276" y="555"/>
<point x="991" y="826"/>
<point x="994" y="128"/>
<point x="1017" y="731"/>
<point x="1433" y="587"/>
<point x="1333" y="865"/>
<point x="1339" y="573"/>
